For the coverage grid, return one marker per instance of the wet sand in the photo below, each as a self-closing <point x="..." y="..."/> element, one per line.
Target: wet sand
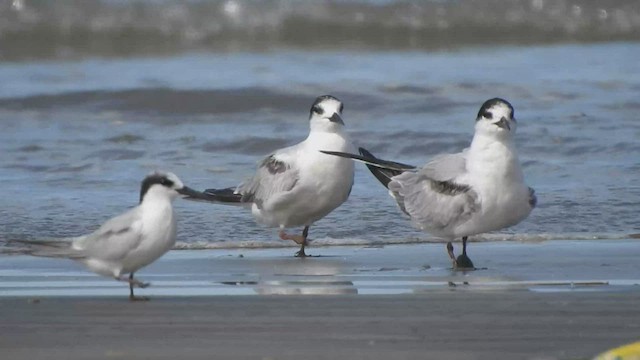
<point x="531" y="302"/>
<point x="440" y="325"/>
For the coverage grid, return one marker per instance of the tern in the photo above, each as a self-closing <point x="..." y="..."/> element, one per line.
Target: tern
<point x="478" y="190"/>
<point x="129" y="241"/>
<point x="299" y="185"/>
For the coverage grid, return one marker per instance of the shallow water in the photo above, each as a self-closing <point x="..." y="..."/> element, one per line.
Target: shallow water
<point x="550" y="266"/>
<point x="76" y="137"/>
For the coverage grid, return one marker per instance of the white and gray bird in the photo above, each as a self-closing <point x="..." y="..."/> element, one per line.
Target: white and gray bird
<point x="478" y="190"/>
<point x="299" y="185"/>
<point x="127" y="242"/>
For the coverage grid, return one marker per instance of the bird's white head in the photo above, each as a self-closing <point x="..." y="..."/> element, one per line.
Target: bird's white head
<point x="165" y="185"/>
<point x="326" y="114"/>
<point x="496" y="118"/>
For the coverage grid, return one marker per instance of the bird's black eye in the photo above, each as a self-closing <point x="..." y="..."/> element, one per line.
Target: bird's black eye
<point x="487" y="115"/>
<point x="341" y="108"/>
<point x="317" y="109"/>
<point x="166" y="182"/>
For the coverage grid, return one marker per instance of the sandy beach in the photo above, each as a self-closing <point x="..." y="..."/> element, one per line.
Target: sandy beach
<point x="547" y="300"/>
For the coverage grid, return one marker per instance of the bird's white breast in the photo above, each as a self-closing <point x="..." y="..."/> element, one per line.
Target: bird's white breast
<point x="329" y="174"/>
<point x="158" y="233"/>
<point x="494" y="173"/>
<point x="324" y="181"/>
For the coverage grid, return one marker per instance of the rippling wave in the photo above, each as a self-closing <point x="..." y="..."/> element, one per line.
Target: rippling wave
<point x="165" y="101"/>
<point x="70" y="28"/>
<point x="76" y="137"/>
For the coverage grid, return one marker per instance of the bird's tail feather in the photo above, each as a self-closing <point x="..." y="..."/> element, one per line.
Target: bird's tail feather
<point x="42" y="248"/>
<point x="383" y="170"/>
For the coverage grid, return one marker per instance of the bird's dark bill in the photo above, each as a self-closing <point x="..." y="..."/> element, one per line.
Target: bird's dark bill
<point x="336" y="119"/>
<point x="504" y="123"/>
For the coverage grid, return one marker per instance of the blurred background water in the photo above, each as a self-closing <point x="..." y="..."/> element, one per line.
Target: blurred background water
<point x="96" y="94"/>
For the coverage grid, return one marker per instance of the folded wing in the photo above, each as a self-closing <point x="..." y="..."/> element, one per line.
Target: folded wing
<point x="432" y="196"/>
<point x="114" y="240"/>
<point x="275" y="177"/>
<point x="432" y="204"/>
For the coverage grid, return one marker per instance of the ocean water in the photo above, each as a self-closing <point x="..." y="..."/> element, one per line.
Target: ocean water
<point x="90" y="104"/>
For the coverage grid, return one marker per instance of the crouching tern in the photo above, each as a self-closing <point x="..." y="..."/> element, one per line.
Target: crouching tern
<point x="127" y="242"/>
<point x="478" y="190"/>
<point x="299" y="185"/>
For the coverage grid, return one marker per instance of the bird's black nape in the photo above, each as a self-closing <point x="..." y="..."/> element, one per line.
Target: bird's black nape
<point x="151" y="180"/>
<point x="484" y="109"/>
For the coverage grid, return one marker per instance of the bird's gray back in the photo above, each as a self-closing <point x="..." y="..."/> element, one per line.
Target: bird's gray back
<point x="275" y="174"/>
<point x="446" y="167"/>
<point x="114" y="239"/>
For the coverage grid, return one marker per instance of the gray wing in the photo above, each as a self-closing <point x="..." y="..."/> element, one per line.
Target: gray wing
<point x="115" y="239"/>
<point x="432" y="197"/>
<point x="446" y="167"/>
<point x="275" y="177"/>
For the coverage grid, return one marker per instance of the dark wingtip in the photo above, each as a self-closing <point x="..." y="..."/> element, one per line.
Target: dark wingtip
<point x="386" y="169"/>
<point x="365" y="152"/>
<point x="383" y="175"/>
<point x="383" y="170"/>
<point x="337" y="153"/>
<point x="379" y="174"/>
<point x="392" y="165"/>
<point x="227" y="195"/>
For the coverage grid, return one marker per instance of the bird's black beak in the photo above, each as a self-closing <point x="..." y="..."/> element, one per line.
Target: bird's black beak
<point x="188" y="192"/>
<point x="504" y="123"/>
<point x="336" y="119"/>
